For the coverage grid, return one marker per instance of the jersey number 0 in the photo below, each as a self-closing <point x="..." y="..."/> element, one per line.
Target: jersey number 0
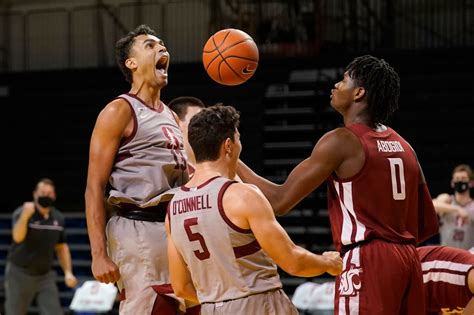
<point x="396" y="172"/>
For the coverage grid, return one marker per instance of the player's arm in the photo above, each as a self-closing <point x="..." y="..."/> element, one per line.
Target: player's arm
<point x="20" y="225"/>
<point x="469" y="309"/>
<point x="105" y="140"/>
<point x="180" y="277"/>
<point x="64" y="258"/>
<point x="248" y="208"/>
<point x="443" y="206"/>
<point x="326" y="157"/>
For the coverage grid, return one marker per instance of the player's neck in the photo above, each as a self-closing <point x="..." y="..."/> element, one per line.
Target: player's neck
<point x="44" y="212"/>
<point x="206" y="170"/>
<point x="357" y="115"/>
<point x="148" y="95"/>
<point x="462" y="198"/>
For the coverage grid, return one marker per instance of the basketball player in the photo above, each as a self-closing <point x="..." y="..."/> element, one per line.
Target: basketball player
<point x="379" y="204"/>
<point x="136" y="147"/>
<point x="186" y="107"/>
<point x="448" y="275"/>
<point x="223" y="235"/>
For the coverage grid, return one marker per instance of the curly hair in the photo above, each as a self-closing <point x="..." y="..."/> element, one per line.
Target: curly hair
<point x="209" y="128"/>
<point x="381" y="83"/>
<point x="123" y="45"/>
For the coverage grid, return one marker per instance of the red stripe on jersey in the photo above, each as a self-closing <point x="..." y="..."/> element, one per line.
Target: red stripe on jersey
<point x="247" y="249"/>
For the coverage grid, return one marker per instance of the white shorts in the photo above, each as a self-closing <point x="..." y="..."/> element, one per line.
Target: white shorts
<point x="139" y="249"/>
<point x="266" y="303"/>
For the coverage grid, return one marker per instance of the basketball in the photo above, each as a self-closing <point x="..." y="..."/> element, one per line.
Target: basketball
<point x="230" y="57"/>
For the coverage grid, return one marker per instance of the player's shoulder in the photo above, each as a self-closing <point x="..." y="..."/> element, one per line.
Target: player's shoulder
<point x="339" y="132"/>
<point x="57" y="213"/>
<point x="243" y="193"/>
<point x="17" y="211"/>
<point x="118" y="107"/>
<point x="243" y="189"/>
<point x="339" y="141"/>
<point x="117" y="103"/>
<point x="338" y="135"/>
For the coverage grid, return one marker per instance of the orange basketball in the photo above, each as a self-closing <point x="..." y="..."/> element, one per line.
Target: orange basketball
<point x="230" y="57"/>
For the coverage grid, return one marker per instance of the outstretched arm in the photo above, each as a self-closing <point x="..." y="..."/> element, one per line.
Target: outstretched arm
<point x="327" y="156"/>
<point x="443" y="206"/>
<point x="247" y="208"/>
<point x="108" y="132"/>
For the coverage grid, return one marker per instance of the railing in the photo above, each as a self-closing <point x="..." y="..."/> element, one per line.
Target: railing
<point x="80" y="36"/>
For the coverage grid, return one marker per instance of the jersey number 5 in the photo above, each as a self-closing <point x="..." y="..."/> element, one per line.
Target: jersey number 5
<point x="396" y="171"/>
<point x="201" y="255"/>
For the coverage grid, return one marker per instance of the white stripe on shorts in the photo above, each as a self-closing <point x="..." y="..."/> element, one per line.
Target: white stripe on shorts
<point x="352" y="300"/>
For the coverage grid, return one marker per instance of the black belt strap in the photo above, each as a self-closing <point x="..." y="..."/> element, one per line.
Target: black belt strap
<point x="151" y="214"/>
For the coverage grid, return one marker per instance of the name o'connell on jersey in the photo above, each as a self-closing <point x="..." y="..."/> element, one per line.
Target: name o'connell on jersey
<point x="194" y="203"/>
<point x="389" y="146"/>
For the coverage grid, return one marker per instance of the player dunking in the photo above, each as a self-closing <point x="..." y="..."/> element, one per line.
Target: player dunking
<point x="223" y="234"/>
<point x="136" y="147"/>
<point x="379" y="204"/>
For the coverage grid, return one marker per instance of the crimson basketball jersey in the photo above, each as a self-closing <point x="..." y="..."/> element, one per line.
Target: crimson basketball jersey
<point x="225" y="261"/>
<point x="387" y="199"/>
<point x="445" y="271"/>
<point x="151" y="160"/>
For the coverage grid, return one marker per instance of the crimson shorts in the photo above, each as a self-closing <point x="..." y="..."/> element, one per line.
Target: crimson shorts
<point x="380" y="278"/>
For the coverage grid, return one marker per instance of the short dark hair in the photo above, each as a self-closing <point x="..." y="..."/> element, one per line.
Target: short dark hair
<point x="381" y="83"/>
<point x="123" y="45"/>
<point x="463" y="168"/>
<point x="209" y="128"/>
<point x="46" y="181"/>
<point x="180" y="105"/>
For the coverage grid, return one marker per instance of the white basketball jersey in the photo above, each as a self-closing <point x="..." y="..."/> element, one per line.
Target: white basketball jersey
<point x="225" y="261"/>
<point x="152" y="160"/>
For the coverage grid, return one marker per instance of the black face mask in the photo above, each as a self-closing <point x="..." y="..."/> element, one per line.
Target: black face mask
<point x="45" y="201"/>
<point x="461" y="187"/>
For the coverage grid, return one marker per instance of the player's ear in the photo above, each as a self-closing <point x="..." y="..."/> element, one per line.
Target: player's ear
<point x="228" y="145"/>
<point x="359" y="93"/>
<point x="130" y="63"/>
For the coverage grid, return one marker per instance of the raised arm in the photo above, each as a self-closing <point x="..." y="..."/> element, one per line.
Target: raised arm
<point x="327" y="156"/>
<point x="20" y="227"/>
<point x="109" y="129"/>
<point x="247" y="208"/>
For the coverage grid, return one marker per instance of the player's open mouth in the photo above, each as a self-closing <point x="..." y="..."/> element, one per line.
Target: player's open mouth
<point x="162" y="64"/>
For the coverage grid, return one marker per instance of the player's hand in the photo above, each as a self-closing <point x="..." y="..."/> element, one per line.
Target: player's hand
<point x="28" y="210"/>
<point x="70" y="280"/>
<point x="335" y="263"/>
<point x="105" y="270"/>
